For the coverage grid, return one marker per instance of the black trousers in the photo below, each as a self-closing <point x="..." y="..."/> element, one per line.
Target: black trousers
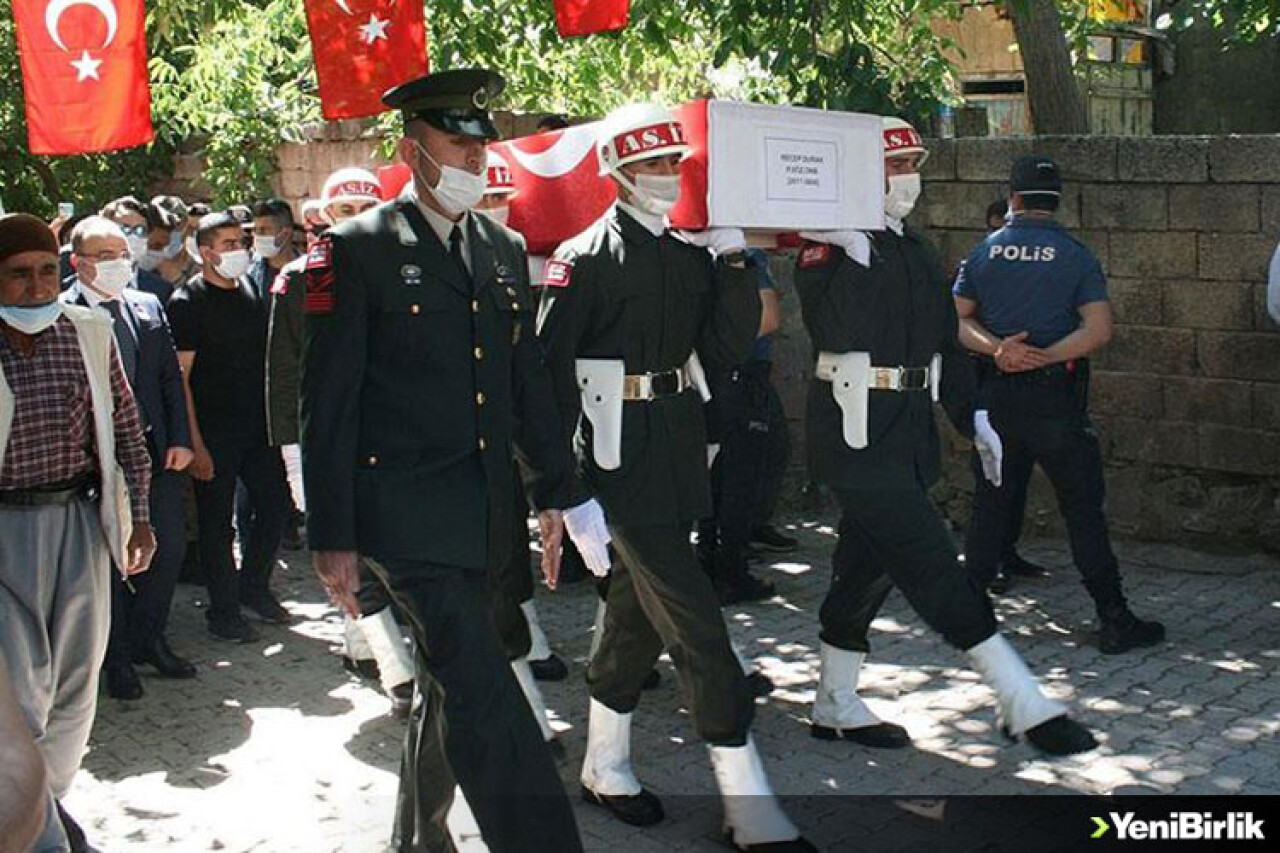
<point x="262" y="470"/>
<point x="751" y="426"/>
<point x="894" y="537"/>
<point x="472" y="726"/>
<point x="1043" y="423"/>
<point x="659" y="598"/>
<point x="139" y="618"/>
<point x="510" y="583"/>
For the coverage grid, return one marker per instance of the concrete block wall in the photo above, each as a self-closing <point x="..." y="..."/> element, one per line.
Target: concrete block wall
<point x="1186" y="398"/>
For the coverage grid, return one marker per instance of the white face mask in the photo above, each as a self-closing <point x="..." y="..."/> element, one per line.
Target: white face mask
<point x="233" y="264"/>
<point x="497" y="214"/>
<point x="901" y="198"/>
<point x="150" y="259"/>
<point x="112" y="277"/>
<point x="31" y="319"/>
<point x="137" y="246"/>
<point x="266" y="245"/>
<point x="193" y="249"/>
<point x="657" y="193"/>
<point x="458" y="190"/>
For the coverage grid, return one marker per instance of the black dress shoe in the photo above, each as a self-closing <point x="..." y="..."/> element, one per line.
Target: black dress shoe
<point x="769" y="538"/>
<point x="880" y="736"/>
<point x="365" y="669"/>
<point x="1015" y="565"/>
<point x="744" y="588"/>
<point x="401" y="700"/>
<point x="235" y="628"/>
<point x="1126" y="631"/>
<point x="652" y="681"/>
<point x="1000" y="584"/>
<point x="165" y="661"/>
<point x="795" y="845"/>
<point x="759" y="684"/>
<point x="268" y="609"/>
<point x="550" y="668"/>
<point x="123" y="682"/>
<point x="642" y="809"/>
<point x="1061" y="736"/>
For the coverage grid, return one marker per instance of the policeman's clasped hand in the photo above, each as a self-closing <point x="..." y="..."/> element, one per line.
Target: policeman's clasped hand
<point x="720" y="241"/>
<point x="856" y="244"/>
<point x="990" y="449"/>
<point x="586" y="526"/>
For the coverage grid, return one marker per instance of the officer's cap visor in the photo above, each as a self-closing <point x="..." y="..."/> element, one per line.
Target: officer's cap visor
<point x="475" y="123"/>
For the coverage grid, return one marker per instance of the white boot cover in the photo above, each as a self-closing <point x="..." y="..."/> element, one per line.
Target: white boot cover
<point x="606" y="768"/>
<point x="539" y="648"/>
<point x="528" y="686"/>
<point x="751" y="812"/>
<point x="395" y="664"/>
<point x="1022" y="705"/>
<point x="837" y="704"/>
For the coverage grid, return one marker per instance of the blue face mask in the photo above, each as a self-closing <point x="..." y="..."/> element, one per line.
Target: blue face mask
<point x="31" y="319"/>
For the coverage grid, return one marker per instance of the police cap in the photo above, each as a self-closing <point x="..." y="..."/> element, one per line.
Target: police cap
<point x="1036" y="175"/>
<point x="452" y="101"/>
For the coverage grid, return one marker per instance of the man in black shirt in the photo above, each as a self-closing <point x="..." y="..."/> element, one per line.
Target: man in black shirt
<point x="220" y="328"/>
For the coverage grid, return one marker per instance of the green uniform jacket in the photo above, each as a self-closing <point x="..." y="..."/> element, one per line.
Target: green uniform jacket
<point x="284" y="353"/>
<point x="416" y="387"/>
<point x="649" y="301"/>
<point x="900" y="310"/>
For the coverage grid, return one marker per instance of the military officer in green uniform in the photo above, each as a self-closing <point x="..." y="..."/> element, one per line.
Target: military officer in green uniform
<point x="421" y="376"/>
<point x="631" y="313"/>
<point x="877" y="310"/>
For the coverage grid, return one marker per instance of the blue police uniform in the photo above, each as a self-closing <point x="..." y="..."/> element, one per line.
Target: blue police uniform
<point x="1032" y="276"/>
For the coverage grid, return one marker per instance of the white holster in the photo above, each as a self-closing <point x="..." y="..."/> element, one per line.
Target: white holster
<point x="847" y="372"/>
<point x="600" y="382"/>
<point x="698" y="376"/>
<point x="935" y="376"/>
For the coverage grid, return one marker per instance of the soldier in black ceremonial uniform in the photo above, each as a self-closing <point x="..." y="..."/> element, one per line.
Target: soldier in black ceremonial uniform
<point x="421" y="375"/>
<point x="1033" y="300"/>
<point x="877" y="310"/>
<point x="631" y="313"/>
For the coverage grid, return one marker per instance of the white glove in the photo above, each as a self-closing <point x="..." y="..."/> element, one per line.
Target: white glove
<point x="990" y="449"/>
<point x="721" y="241"/>
<point x="585" y="523"/>
<point x="856" y="244"/>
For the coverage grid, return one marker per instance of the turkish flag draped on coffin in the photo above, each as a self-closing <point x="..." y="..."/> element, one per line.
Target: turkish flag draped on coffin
<point x="584" y="17"/>
<point x="84" y="72"/>
<point x="361" y="49"/>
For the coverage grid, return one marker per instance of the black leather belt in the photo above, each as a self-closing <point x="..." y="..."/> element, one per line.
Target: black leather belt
<point x="83" y="486"/>
<point x="913" y="378"/>
<point x="665" y="384"/>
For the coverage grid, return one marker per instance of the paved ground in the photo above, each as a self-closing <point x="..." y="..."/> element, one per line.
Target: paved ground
<point x="275" y="749"/>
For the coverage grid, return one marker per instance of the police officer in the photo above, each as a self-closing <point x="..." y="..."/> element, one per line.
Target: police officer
<point x="420" y="374"/>
<point x="630" y="313"/>
<point x="878" y="313"/>
<point x="1034" y="300"/>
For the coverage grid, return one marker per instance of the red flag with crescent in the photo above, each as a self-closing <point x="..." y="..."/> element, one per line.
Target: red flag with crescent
<point x="84" y="73"/>
<point x="361" y="49"/>
<point x="584" y="17"/>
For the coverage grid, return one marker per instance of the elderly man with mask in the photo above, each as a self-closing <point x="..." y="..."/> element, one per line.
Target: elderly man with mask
<point x="103" y="268"/>
<point x="74" y="484"/>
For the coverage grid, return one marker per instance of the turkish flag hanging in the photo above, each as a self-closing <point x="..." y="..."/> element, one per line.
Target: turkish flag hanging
<point x="84" y="72"/>
<point x="362" y="48"/>
<point x="584" y="17"/>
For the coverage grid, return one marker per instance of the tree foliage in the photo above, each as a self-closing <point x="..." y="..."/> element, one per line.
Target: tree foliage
<point x="234" y="78"/>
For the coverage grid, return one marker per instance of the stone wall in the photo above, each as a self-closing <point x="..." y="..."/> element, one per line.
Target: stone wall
<point x="1187" y="396"/>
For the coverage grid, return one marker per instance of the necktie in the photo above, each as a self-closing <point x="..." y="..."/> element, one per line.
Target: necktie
<point x="455" y="252"/>
<point x="124" y="338"/>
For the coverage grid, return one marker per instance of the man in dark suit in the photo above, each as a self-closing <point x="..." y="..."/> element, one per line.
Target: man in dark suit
<point x="421" y="378"/>
<point x="104" y="273"/>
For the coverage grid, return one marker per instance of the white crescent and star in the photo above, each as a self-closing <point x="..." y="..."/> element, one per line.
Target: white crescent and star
<point x="564" y="155"/>
<point x="374" y="30"/>
<point x="86" y="66"/>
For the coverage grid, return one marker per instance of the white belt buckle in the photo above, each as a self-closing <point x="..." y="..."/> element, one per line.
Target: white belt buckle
<point x="886" y="378"/>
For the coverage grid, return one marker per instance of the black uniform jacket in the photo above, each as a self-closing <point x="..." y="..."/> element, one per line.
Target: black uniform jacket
<point x="619" y="292"/>
<point x="901" y="311"/>
<point x="419" y="382"/>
